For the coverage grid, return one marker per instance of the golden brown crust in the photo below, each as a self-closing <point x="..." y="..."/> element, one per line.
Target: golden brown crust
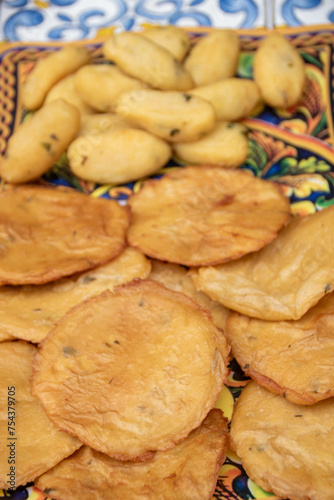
<point x="284" y="279"/>
<point x="34" y="443"/>
<point x="177" y="278"/>
<point x="188" y="471"/>
<point x="132" y="371"/>
<point x="285" y="448"/>
<point x="58" y="231"/>
<point x="205" y="215"/>
<point x="29" y="312"/>
<point x="290" y="358"/>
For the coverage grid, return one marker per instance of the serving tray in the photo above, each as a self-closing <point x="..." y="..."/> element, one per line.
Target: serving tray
<point x="292" y="147"/>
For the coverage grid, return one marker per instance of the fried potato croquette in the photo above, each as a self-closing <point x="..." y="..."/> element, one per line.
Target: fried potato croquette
<point x="285" y="448"/>
<point x="49" y="71"/>
<point x="290" y="358"/>
<point x="225" y="145"/>
<point x="65" y="90"/>
<point x="188" y="471"/>
<point x="174" y="39"/>
<point x="279" y="71"/>
<point x="36" y="444"/>
<point x="98" y="123"/>
<point x="232" y="98"/>
<point x="127" y="382"/>
<point x="173" y="116"/>
<point x="48" y="233"/>
<point x="147" y="61"/>
<point x="205" y="214"/>
<point x="177" y="278"/>
<point x="99" y="85"/>
<point x="119" y="155"/>
<point x="214" y="57"/>
<point x="39" y="142"/>
<point x="29" y="312"/>
<point x="281" y="281"/>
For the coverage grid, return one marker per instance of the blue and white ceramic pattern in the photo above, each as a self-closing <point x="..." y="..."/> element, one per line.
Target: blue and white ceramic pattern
<point x="39" y="20"/>
<point x="303" y="12"/>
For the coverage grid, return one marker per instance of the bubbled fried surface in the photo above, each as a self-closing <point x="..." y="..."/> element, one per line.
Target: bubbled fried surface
<point x="29" y="312"/>
<point x="188" y="471"/>
<point x="47" y="233"/>
<point x="284" y="279"/>
<point x="37" y="445"/>
<point x="285" y="448"/>
<point x="291" y="358"/>
<point x="205" y="215"/>
<point x="132" y="371"/>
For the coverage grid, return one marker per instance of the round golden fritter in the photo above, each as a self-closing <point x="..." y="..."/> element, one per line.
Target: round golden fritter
<point x="291" y="358"/>
<point x="205" y="215"/>
<point x="47" y="233"/>
<point x="29" y="441"/>
<point x="29" y="312"/>
<point x="177" y="278"/>
<point x="285" y="448"/>
<point x="188" y="471"/>
<point x="133" y="371"/>
<point x="283" y="280"/>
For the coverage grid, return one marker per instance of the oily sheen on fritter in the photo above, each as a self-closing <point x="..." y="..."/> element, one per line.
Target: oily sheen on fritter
<point x="133" y="371"/>
<point x="48" y="233"/>
<point x="29" y="312"/>
<point x="284" y="279"/>
<point x="34" y="443"/>
<point x="285" y="448"/>
<point x="291" y="358"/>
<point x="188" y="471"/>
<point x="199" y="216"/>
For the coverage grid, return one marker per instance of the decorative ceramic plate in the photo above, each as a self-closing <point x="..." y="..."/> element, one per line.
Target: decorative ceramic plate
<point x="292" y="147"/>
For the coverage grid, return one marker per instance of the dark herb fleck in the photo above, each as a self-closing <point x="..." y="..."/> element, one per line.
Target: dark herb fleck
<point x="87" y="279"/>
<point x="230" y="125"/>
<point x="174" y="131"/>
<point x="141" y="303"/>
<point x="187" y="97"/>
<point x="246" y="366"/>
<point x="327" y="287"/>
<point x="290" y="65"/>
<point x="298" y="415"/>
<point x="84" y="159"/>
<point x="111" y="380"/>
<point x="107" y="344"/>
<point x="69" y="351"/>
<point x="284" y="395"/>
<point x="47" y="491"/>
<point x="116" y="342"/>
<point x="54" y="137"/>
<point x="37" y="310"/>
<point x="47" y="146"/>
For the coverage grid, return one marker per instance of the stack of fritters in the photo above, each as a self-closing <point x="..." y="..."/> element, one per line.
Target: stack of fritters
<point x="133" y="372"/>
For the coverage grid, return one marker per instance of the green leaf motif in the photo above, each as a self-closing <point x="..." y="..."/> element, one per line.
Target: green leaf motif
<point x="257" y="158"/>
<point x="310" y="165"/>
<point x="245" y="66"/>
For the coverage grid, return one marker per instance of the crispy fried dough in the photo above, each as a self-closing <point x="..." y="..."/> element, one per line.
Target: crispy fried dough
<point x="205" y="215"/>
<point x="29" y="312"/>
<point x="133" y="371"/>
<point x="5" y="336"/>
<point x="47" y="233"/>
<point x="285" y="448"/>
<point x="34" y="444"/>
<point x="284" y="279"/>
<point x="187" y="471"/>
<point x="291" y="358"/>
<point x="177" y="278"/>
